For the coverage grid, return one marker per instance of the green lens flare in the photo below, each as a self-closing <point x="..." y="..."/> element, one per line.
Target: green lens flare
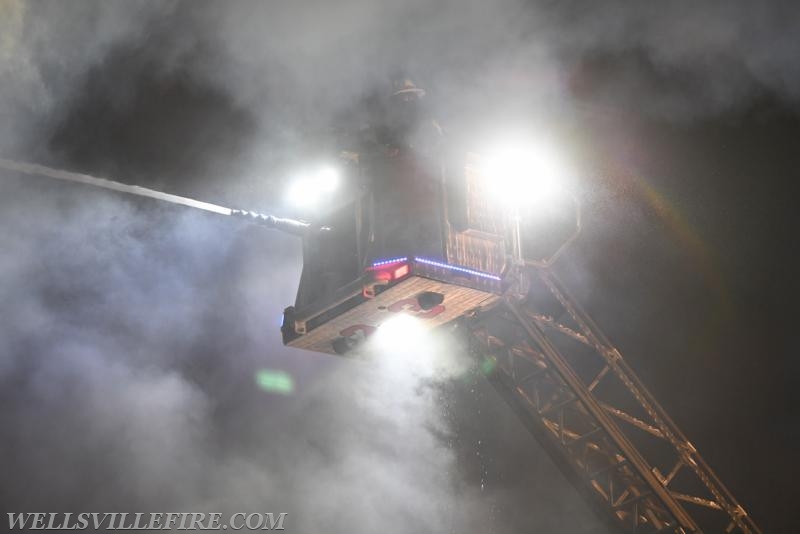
<point x="275" y="381"/>
<point x="488" y="365"/>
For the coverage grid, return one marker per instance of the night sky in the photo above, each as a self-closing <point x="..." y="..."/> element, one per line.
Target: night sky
<point x="132" y="332"/>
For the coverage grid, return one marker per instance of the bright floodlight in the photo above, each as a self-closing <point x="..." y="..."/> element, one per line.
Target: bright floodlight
<point x="310" y="189"/>
<point x="328" y="179"/>
<point x="402" y="346"/>
<point x="406" y="347"/>
<point x="523" y="173"/>
<point x="400" y="331"/>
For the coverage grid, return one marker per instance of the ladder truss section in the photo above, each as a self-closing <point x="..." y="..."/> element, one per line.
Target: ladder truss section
<point x="590" y="410"/>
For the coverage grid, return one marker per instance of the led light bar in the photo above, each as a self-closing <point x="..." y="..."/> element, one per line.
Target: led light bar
<point x="383" y="263"/>
<point x="458" y="269"/>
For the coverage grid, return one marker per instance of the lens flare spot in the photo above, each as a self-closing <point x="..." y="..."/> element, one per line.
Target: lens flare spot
<point x="488" y="365"/>
<point x="275" y="381"/>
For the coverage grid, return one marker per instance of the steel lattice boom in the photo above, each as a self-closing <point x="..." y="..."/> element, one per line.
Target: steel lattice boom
<point x="585" y="404"/>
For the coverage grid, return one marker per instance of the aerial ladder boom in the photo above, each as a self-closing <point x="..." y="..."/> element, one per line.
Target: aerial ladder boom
<point x="577" y="394"/>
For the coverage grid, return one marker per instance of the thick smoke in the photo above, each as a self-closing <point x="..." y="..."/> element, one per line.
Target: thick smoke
<point x="295" y="64"/>
<point x="131" y="333"/>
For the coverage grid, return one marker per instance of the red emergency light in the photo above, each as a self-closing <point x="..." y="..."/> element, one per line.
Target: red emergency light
<point x="390" y="270"/>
